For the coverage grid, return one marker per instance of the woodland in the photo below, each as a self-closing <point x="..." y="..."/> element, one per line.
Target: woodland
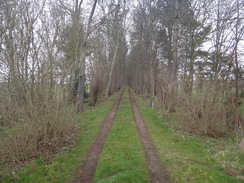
<point x="59" y="58"/>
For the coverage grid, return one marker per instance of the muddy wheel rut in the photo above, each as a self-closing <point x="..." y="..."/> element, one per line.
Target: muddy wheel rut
<point x="156" y="172"/>
<point x="90" y="164"/>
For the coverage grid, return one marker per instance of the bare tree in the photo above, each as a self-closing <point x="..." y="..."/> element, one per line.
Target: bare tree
<point x="116" y="33"/>
<point x="82" y="68"/>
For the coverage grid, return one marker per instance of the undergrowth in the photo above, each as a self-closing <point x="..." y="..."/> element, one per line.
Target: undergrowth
<point x="62" y="167"/>
<point x="40" y="133"/>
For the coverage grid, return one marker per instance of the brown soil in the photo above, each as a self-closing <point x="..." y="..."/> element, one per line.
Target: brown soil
<point x="153" y="163"/>
<point x="89" y="166"/>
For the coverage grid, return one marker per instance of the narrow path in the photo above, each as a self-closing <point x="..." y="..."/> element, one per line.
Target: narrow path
<point x="90" y="163"/>
<point x="153" y="162"/>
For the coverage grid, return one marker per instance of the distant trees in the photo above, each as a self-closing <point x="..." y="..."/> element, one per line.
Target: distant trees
<point x="175" y="52"/>
<point x="116" y="32"/>
<point x="108" y="24"/>
<point x="144" y="48"/>
<point x="179" y="47"/>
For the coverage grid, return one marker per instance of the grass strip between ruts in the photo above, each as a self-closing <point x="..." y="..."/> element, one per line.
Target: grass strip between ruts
<point x="122" y="159"/>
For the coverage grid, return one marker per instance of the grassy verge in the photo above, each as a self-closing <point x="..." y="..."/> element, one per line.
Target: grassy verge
<point x="189" y="158"/>
<point x="122" y="159"/>
<point x="63" y="167"/>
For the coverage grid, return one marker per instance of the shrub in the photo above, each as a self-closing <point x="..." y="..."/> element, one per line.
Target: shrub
<point x="207" y="112"/>
<point x="30" y="131"/>
<point x="166" y="93"/>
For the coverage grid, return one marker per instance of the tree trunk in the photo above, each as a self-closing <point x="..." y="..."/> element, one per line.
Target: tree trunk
<point x="81" y="84"/>
<point x="82" y="67"/>
<point x="174" y="71"/>
<point x="236" y="71"/>
<point x="111" y="71"/>
<point x="175" y="43"/>
<point x="152" y="82"/>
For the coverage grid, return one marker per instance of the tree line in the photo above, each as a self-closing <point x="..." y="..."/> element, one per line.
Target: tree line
<point x="181" y="54"/>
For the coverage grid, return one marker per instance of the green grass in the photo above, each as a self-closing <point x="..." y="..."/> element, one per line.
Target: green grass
<point x="64" y="166"/>
<point x="189" y="158"/>
<point x="87" y="100"/>
<point x="122" y="159"/>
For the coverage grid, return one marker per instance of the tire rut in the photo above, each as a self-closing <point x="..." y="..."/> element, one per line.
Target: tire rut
<point x="90" y="164"/>
<point x="156" y="172"/>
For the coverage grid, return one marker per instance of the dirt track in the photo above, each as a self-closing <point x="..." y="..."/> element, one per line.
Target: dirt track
<point x="153" y="162"/>
<point x="90" y="164"/>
